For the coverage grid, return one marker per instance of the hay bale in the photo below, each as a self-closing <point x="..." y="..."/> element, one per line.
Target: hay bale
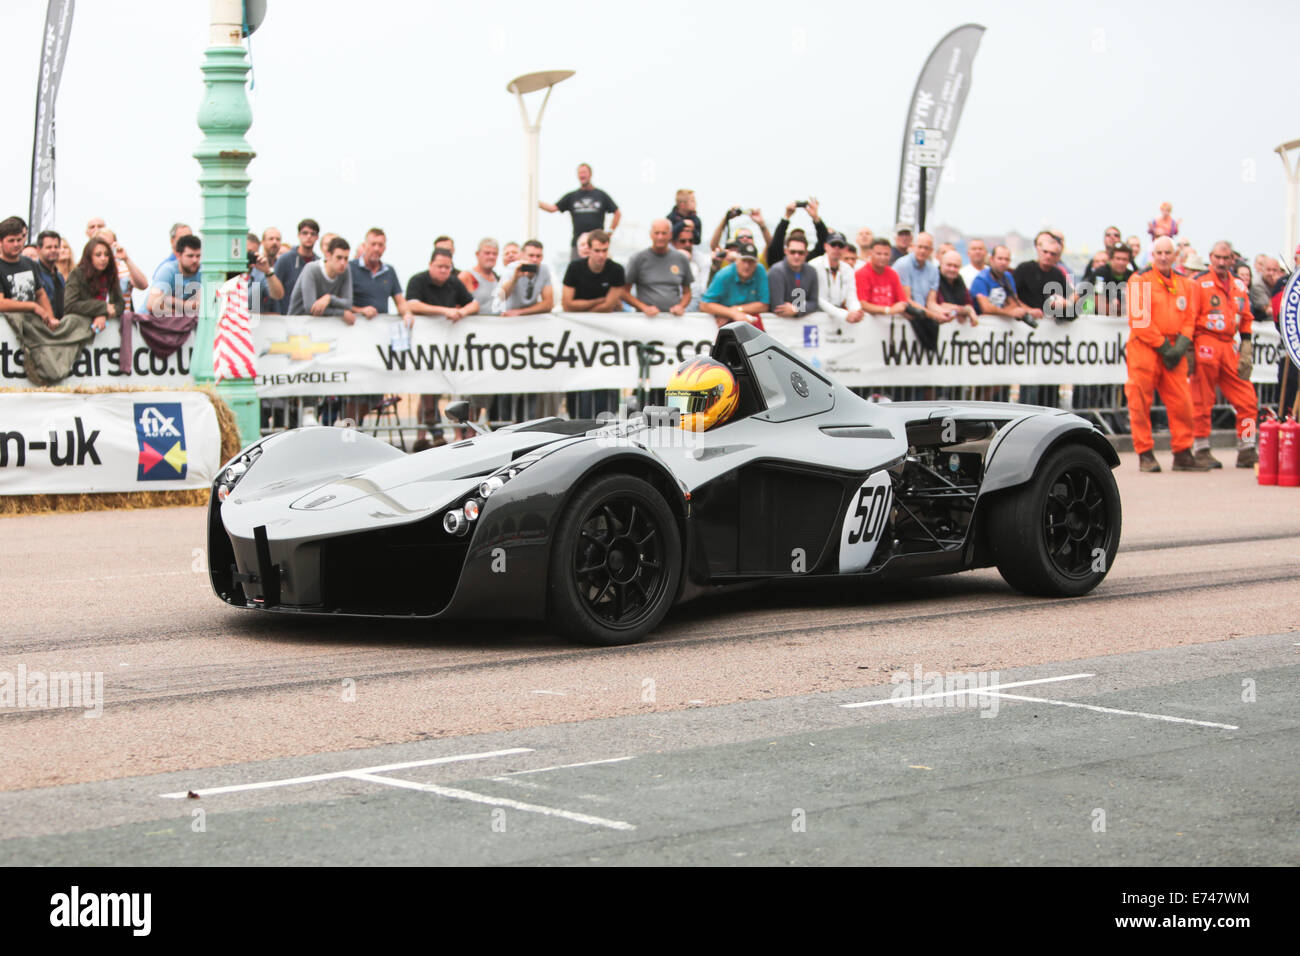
<point x="110" y="500"/>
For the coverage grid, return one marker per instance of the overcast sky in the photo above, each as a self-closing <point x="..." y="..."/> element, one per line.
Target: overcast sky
<point x="395" y="114"/>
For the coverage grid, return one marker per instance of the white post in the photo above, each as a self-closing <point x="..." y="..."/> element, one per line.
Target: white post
<point x="1292" y="189"/>
<point x="530" y="83"/>
<point x="226" y="26"/>
<point x="532" y="135"/>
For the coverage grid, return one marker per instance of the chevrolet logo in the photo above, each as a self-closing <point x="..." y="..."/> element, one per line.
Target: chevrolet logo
<point x="299" y="348"/>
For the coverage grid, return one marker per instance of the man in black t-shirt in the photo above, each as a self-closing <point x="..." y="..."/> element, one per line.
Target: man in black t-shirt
<point x="1041" y="284"/>
<point x="20" y="284"/>
<point x="594" y="284"/>
<point x="587" y="205"/>
<point x="1111" y="282"/>
<point x="437" y="292"/>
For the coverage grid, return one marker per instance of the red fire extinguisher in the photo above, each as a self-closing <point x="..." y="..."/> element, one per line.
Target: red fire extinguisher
<point x="1268" y="442"/>
<point x="1288" y="454"/>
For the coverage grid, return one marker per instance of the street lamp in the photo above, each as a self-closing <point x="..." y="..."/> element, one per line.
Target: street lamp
<point x="1292" y="186"/>
<point x="529" y="83"/>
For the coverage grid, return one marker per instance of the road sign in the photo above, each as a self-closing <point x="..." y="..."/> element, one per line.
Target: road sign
<point x="931" y="157"/>
<point x="932" y="138"/>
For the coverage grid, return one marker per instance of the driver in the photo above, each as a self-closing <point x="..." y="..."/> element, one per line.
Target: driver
<point x="705" y="391"/>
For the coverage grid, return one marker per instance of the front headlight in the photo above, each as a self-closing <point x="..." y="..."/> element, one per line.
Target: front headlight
<point x="230" y="475"/>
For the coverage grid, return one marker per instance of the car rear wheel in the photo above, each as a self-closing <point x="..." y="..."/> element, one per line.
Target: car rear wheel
<point x="615" y="562"/>
<point x="1058" y="534"/>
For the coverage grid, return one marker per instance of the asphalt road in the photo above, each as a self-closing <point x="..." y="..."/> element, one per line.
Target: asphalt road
<point x="729" y="713"/>
<point x="1157" y="758"/>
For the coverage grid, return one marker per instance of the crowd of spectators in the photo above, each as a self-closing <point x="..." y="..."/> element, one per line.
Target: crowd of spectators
<point x="801" y="266"/>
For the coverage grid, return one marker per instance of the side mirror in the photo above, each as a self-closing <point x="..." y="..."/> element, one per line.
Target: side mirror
<point x="457" y="412"/>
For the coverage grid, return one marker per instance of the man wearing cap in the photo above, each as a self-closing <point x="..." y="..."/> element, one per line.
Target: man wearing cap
<point x="1223" y="311"/>
<point x="739" y="292"/>
<point x="791" y="285"/>
<point x="837" y="292"/>
<point x="902" y="242"/>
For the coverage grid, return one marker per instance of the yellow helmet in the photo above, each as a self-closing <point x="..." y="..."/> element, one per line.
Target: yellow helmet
<point x="705" y="391"/>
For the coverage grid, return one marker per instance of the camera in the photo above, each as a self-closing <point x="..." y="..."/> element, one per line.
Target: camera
<point x="801" y="204"/>
<point x="527" y="268"/>
<point x="735" y="211"/>
<point x="252" y="260"/>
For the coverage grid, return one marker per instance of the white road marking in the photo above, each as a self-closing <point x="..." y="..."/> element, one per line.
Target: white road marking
<point x="563" y="766"/>
<point x="557" y="693"/>
<point x="457" y="794"/>
<point x="955" y="693"/>
<point x="1107" y="710"/>
<point x="292" y="781"/>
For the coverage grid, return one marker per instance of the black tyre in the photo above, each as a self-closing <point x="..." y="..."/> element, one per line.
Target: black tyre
<point x="1058" y="534"/>
<point x="616" y="562"/>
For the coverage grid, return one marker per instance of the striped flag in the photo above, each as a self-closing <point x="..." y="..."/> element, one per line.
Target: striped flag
<point x="232" y="350"/>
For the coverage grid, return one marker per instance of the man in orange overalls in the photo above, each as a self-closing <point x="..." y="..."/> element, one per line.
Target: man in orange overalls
<point x="1161" y="318"/>
<point x="1223" y="310"/>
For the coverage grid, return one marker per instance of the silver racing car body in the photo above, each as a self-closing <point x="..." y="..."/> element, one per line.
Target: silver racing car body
<point x="601" y="526"/>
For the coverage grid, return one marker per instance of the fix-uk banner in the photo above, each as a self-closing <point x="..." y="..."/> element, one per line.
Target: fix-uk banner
<point x="54" y="47"/>
<point x="302" y="355"/>
<point x="70" y="442"/>
<point x="936" y="103"/>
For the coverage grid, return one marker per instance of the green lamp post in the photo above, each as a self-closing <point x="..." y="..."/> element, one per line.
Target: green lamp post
<point x="224" y="117"/>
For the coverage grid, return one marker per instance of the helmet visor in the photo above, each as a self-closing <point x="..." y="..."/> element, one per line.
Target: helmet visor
<point x="693" y="402"/>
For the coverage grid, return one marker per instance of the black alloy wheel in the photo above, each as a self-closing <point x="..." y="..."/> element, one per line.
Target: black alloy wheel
<point x="1057" y="534"/>
<point x="1075" y="521"/>
<point x="615" y="563"/>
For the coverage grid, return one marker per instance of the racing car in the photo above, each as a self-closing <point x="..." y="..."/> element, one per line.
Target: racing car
<point x="759" y="467"/>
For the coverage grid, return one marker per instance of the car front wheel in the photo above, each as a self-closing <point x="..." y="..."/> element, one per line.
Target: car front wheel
<point x="615" y="562"/>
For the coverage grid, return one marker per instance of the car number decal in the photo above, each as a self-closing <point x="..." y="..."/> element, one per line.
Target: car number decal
<point x="865" y="522"/>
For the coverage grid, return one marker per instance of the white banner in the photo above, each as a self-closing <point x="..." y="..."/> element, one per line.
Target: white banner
<point x="98" y="363"/>
<point x="301" y="355"/>
<point x="304" y="355"/>
<point x="67" y="442"/>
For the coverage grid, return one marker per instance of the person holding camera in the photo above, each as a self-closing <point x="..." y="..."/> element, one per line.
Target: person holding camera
<point x="526" y="287"/>
<point x="742" y="233"/>
<point x="776" y="243"/>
